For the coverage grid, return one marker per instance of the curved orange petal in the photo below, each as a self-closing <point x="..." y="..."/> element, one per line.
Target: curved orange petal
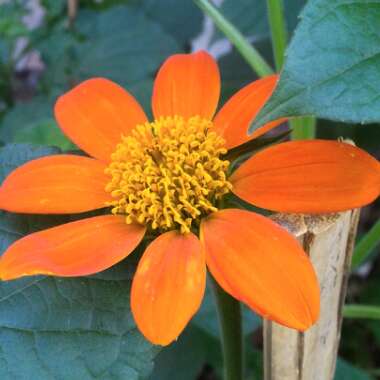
<point x="79" y="248"/>
<point x="168" y="286"/>
<point x="234" y="118"/>
<point x="61" y="184"/>
<point x="260" y="264"/>
<point x="96" y="113"/>
<point x="187" y="85"/>
<point x="309" y="177"/>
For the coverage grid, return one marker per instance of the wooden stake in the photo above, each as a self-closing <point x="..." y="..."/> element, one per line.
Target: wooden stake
<point x="288" y="354"/>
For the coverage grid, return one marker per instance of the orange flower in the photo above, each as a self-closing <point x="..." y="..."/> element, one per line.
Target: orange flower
<point x="167" y="177"/>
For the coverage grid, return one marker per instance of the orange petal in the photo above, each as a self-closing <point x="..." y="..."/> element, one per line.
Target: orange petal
<point x="96" y="113"/>
<point x="187" y="85"/>
<point x="61" y="184"/>
<point x="260" y="264"/>
<point x="309" y="177"/>
<point x="234" y="118"/>
<point x="168" y="286"/>
<point x="79" y="248"/>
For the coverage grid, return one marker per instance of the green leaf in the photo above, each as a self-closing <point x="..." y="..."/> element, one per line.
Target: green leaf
<point x="332" y="64"/>
<point x="66" y="328"/>
<point x="33" y="122"/>
<point x="346" y="371"/>
<point x="183" y="21"/>
<point x="11" y="24"/>
<point x="120" y="53"/>
<point x="44" y="132"/>
<point x="102" y="46"/>
<point x="14" y="155"/>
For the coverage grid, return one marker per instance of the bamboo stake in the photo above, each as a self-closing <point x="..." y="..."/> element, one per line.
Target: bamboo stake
<point x="288" y="354"/>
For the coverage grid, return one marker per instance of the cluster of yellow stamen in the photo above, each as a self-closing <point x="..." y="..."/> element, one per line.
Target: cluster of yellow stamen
<point x="168" y="173"/>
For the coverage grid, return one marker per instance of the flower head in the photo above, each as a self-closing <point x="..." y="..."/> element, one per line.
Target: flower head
<point x="169" y="173"/>
<point x="168" y="177"/>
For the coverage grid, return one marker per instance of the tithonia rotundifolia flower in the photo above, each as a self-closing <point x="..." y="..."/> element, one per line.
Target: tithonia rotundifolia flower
<point x="167" y="178"/>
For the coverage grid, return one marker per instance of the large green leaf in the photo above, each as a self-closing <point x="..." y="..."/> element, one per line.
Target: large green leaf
<point x="125" y="54"/>
<point x="332" y="66"/>
<point x="65" y="328"/>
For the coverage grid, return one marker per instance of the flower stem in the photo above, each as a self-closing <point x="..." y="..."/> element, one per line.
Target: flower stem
<point x="362" y="311"/>
<point x="248" y="52"/>
<point x="302" y="128"/>
<point x="229" y="315"/>
<point x="278" y="30"/>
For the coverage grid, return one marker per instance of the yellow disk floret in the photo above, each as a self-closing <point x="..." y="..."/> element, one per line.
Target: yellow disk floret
<point x="168" y="173"/>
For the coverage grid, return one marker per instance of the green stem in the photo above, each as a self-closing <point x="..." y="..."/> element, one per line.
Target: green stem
<point x="303" y="128"/>
<point x="229" y="315"/>
<point x="249" y="53"/>
<point x="279" y="31"/>
<point x="366" y="245"/>
<point x="361" y="311"/>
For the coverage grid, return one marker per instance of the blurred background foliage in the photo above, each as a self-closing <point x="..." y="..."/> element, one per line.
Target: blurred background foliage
<point x="45" y="50"/>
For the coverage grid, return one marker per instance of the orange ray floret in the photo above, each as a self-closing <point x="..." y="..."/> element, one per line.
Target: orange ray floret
<point x="168" y="286"/>
<point x="64" y="250"/>
<point x="187" y="85"/>
<point x="95" y="114"/>
<point x="63" y="184"/>
<point x="260" y="264"/>
<point x="168" y="176"/>
<point x="234" y="118"/>
<point x="309" y="177"/>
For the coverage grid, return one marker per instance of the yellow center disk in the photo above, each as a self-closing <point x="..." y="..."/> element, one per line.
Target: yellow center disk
<point x="168" y="173"/>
